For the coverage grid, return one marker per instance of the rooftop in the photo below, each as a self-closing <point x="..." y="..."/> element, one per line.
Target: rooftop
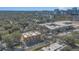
<point x="57" y="24"/>
<point x="53" y="47"/>
<point x="31" y="33"/>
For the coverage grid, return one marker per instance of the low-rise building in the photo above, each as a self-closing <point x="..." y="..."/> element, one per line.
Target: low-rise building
<point x="54" y="47"/>
<point x="56" y="27"/>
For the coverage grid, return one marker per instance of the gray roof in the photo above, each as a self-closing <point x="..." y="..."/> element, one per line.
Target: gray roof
<point x="58" y="24"/>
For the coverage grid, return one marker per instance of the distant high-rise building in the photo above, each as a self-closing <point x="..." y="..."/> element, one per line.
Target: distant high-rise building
<point x="56" y="11"/>
<point x="69" y="11"/>
<point x="63" y="12"/>
<point x="75" y="11"/>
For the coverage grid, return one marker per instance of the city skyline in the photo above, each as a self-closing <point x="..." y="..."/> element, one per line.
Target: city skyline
<point x="32" y="8"/>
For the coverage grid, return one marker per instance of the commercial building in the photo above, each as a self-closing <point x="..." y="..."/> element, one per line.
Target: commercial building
<point x="56" y="27"/>
<point x="54" y="47"/>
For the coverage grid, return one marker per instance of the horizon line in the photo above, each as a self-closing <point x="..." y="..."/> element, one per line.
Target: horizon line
<point x="32" y="8"/>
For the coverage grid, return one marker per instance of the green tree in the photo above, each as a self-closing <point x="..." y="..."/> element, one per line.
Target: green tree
<point x="69" y="39"/>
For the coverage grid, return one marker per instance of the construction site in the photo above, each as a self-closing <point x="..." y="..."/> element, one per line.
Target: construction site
<point x="47" y="37"/>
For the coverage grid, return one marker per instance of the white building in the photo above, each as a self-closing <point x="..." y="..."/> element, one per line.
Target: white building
<point x="54" y="47"/>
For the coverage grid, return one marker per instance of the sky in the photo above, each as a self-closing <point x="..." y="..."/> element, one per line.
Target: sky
<point x="31" y="8"/>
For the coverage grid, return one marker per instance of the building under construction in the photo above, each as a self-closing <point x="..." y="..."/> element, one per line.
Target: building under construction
<point x="32" y="37"/>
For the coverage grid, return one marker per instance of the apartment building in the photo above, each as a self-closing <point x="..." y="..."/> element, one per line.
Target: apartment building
<point x="30" y="38"/>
